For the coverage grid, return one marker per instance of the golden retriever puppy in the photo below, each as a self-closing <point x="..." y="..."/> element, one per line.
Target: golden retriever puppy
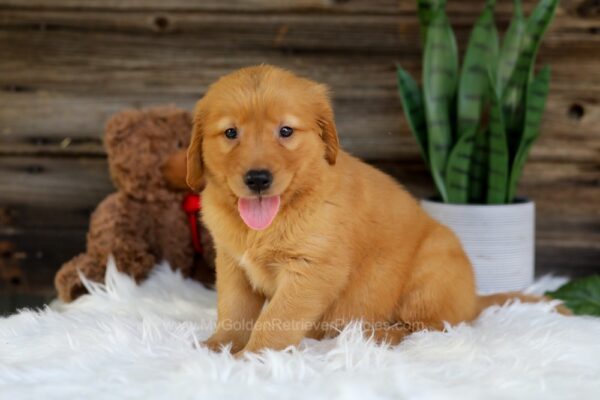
<point x="309" y="238"/>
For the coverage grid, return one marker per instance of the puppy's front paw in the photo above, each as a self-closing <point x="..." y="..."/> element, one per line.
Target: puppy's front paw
<point x="239" y="355"/>
<point x="213" y="344"/>
<point x="218" y="342"/>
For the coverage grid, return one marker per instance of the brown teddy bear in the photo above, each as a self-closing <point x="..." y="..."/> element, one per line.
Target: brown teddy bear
<point x="144" y="222"/>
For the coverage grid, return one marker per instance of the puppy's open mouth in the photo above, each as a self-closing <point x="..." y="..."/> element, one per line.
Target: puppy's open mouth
<point x="259" y="212"/>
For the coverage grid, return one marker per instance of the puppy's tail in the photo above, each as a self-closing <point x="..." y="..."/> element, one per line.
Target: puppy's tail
<point x="499" y="299"/>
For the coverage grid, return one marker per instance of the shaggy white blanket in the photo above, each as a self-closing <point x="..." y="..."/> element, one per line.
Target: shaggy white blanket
<point x="128" y="341"/>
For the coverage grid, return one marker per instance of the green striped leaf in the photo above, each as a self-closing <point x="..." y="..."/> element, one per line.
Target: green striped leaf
<point x="512" y="44"/>
<point x="458" y="168"/>
<point x="426" y="10"/>
<point x="582" y="296"/>
<point x="513" y="97"/>
<point x="498" y="168"/>
<point x="414" y="111"/>
<point x="537" y="95"/>
<point x="478" y="171"/>
<point x="440" y="71"/>
<point x="479" y="62"/>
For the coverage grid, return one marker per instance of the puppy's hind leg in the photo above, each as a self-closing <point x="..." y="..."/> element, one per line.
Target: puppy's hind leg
<point x="390" y="334"/>
<point x="441" y="287"/>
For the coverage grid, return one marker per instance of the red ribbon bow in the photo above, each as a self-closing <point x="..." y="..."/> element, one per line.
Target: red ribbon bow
<point x="191" y="205"/>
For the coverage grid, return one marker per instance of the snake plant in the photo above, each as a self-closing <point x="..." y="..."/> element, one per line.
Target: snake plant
<point x="475" y="123"/>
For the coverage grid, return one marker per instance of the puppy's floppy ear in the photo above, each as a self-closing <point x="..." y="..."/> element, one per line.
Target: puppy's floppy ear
<point x="195" y="164"/>
<point x="326" y="122"/>
<point x="330" y="137"/>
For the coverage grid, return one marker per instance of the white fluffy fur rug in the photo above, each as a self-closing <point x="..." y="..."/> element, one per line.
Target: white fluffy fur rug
<point x="125" y="341"/>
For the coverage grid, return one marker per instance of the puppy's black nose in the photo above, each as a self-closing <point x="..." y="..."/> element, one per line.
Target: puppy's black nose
<point x="258" y="179"/>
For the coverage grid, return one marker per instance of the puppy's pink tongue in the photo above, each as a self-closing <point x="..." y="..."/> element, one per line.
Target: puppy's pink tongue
<point x="258" y="213"/>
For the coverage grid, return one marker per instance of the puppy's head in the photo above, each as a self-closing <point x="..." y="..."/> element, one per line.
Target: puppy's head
<point x="262" y="135"/>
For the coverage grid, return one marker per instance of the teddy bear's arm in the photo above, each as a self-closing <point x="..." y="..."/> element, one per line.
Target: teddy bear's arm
<point x="92" y="262"/>
<point x="175" y="238"/>
<point x="119" y="226"/>
<point x="132" y="243"/>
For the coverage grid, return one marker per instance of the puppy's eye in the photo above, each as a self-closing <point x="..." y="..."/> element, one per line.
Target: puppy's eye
<point x="286" y="131"/>
<point x="231" y="133"/>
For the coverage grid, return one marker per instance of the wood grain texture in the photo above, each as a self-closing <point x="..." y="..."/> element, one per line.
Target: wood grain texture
<point x="578" y="7"/>
<point x="294" y="32"/>
<point x="73" y="85"/>
<point x="67" y="65"/>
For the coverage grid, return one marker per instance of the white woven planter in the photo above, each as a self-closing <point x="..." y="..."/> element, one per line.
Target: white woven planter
<point x="499" y="240"/>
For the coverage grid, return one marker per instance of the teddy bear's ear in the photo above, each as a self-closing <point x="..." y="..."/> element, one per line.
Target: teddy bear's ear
<point x="195" y="179"/>
<point x="174" y="170"/>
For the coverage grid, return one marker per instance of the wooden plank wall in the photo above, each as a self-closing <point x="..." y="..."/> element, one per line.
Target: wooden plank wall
<point x="66" y="65"/>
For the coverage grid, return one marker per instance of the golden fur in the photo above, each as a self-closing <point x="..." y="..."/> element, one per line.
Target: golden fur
<point x="348" y="242"/>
